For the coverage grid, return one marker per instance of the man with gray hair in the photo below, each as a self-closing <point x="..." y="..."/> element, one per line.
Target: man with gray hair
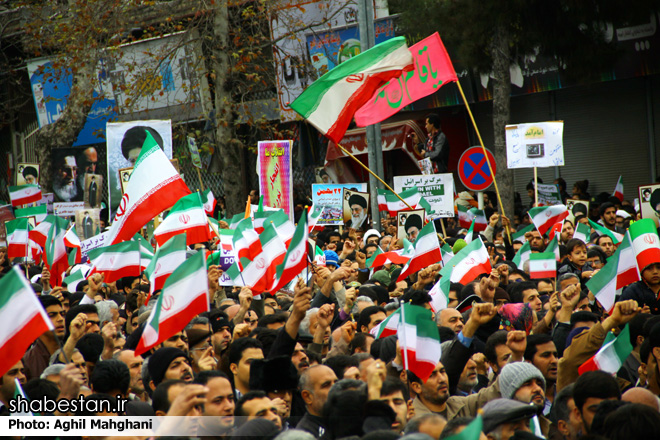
<point x="315" y="384"/>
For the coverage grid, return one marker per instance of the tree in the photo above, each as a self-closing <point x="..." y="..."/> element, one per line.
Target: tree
<point x="488" y="37"/>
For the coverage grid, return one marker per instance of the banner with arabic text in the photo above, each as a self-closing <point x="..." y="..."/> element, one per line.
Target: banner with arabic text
<point x="437" y="189"/>
<point x="275" y="178"/>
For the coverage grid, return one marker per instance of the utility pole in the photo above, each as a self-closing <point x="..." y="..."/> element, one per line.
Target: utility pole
<point x="374" y="142"/>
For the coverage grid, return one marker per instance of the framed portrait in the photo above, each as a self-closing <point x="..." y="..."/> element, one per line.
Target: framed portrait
<point x="409" y="223"/>
<point x="649" y="202"/>
<point x="124" y="176"/>
<point x="27" y="173"/>
<point x="356" y="210"/>
<point x="92" y="194"/>
<point x="577" y="207"/>
<point x="87" y="223"/>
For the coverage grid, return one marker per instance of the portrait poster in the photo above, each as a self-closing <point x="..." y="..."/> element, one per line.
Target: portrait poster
<point x="68" y="183"/>
<point x="275" y="177"/>
<point x="92" y="193"/>
<point x="87" y="223"/>
<point x="27" y="173"/>
<point x="124" y="143"/>
<point x="537" y="144"/>
<point x="409" y="223"/>
<point x="356" y="210"/>
<point x="577" y="207"/>
<point x="328" y="197"/>
<point x="649" y="202"/>
<point x="322" y="176"/>
<point x="6" y="214"/>
<point x="124" y="177"/>
<point x="437" y="189"/>
<point x="426" y="166"/>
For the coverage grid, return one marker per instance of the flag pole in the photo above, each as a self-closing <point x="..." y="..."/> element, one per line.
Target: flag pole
<point x="481" y="142"/>
<point x="373" y="174"/>
<point x="403" y="334"/>
<point x="536" y="187"/>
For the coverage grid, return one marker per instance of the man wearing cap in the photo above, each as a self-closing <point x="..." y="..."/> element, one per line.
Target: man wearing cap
<point x="331" y="260"/>
<point x="222" y="328"/>
<point x="524" y="382"/>
<point x="169" y="363"/>
<point x="372" y="236"/>
<point x="503" y="417"/>
<point x="279" y="379"/>
<point x="201" y="351"/>
<point x="358" y="206"/>
<point x="412" y="227"/>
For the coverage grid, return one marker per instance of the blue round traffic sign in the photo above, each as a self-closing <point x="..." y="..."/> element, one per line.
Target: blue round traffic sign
<point x="473" y="169"/>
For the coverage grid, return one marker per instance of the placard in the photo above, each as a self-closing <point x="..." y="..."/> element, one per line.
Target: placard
<point x="649" y="202"/>
<point x="27" y="173"/>
<point x="66" y="209"/>
<point x="275" y="177"/>
<point x="92" y="193"/>
<point x="356" y="210"/>
<point x="409" y="223"/>
<point x="87" y="223"/>
<point x="94" y="242"/>
<point x="329" y="197"/>
<point x="548" y="194"/>
<point x="425" y="166"/>
<point x="577" y="207"/>
<point x="437" y="189"/>
<point x="538" y="144"/>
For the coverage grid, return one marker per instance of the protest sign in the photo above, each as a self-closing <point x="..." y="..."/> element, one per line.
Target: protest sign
<point x="536" y="144"/>
<point x="194" y="153"/>
<point x="87" y="223"/>
<point x="437" y="189"/>
<point x="329" y="197"/>
<point x="67" y="209"/>
<point x="275" y="178"/>
<point x="94" y="242"/>
<point x="576" y="207"/>
<point x="92" y="192"/>
<point x="356" y="209"/>
<point x="548" y="194"/>
<point x="649" y="198"/>
<point x="409" y="223"/>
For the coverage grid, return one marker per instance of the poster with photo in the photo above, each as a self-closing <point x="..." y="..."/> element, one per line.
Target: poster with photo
<point x="356" y="210"/>
<point x="329" y="197"/>
<point x="577" y="207"/>
<point x="92" y="193"/>
<point x="124" y="177"/>
<point x="27" y="173"/>
<point x="124" y="143"/>
<point x="437" y="189"/>
<point x="322" y="175"/>
<point x="68" y="184"/>
<point x="87" y="223"/>
<point x="275" y="174"/>
<point x="649" y="202"/>
<point x="409" y="223"/>
<point x="6" y="214"/>
<point x="537" y="144"/>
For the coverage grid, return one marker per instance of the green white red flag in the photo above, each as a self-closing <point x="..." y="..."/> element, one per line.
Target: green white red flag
<point x="40" y="233"/>
<point x="427" y="252"/>
<point x="479" y="219"/>
<point x="22" y="318"/>
<point x="209" y="202"/>
<point x="55" y="256"/>
<point x="469" y="235"/>
<point x="331" y="101"/>
<point x="464" y="217"/>
<point x="612" y="355"/>
<point x="388" y="326"/>
<point x="468" y="264"/>
<point x="284" y="227"/>
<point x="520" y="235"/>
<point x="382" y="199"/>
<point x="544" y="217"/>
<point x="522" y="255"/>
<point x="38" y="212"/>
<point x="154" y="186"/>
<point x="226" y="239"/>
<point x="319" y="256"/>
<point x="419" y="340"/>
<point x="146" y="251"/>
<point x="410" y="196"/>
<point x="618" y="189"/>
<point x="542" y="265"/>
<point x="440" y="294"/>
<point x="168" y="257"/>
<point x="24" y="194"/>
<point x="582" y="232"/>
<point x="603" y="284"/>
<point x="447" y="253"/>
<point x="116" y="261"/>
<point x="430" y="57"/>
<point x="78" y="274"/>
<point x="553" y="246"/>
<point x="399" y="256"/>
<point x="187" y="215"/>
<point x="626" y="272"/>
<point x="295" y="260"/>
<point x="313" y="216"/>
<point x="185" y="295"/>
<point x="645" y="243"/>
<point x="246" y="242"/>
<point x="72" y="241"/>
<point x="602" y="230"/>
<point x="17" y="238"/>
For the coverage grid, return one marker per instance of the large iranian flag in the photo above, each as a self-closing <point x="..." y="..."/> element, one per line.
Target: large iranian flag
<point x="116" y="261"/>
<point x="330" y="102"/>
<point x="419" y="340"/>
<point x="468" y="264"/>
<point x="542" y="265"/>
<point x="154" y="187"/>
<point x="602" y="230"/>
<point x="168" y="257"/>
<point x="645" y="243"/>
<point x="545" y="217"/>
<point x="17" y="238"/>
<point x="427" y="252"/>
<point x="612" y="355"/>
<point x="187" y="215"/>
<point x="40" y="233"/>
<point x="184" y="296"/>
<point x="284" y="227"/>
<point x="24" y="194"/>
<point x="22" y="318"/>
<point x="603" y="284"/>
<point x="295" y="260"/>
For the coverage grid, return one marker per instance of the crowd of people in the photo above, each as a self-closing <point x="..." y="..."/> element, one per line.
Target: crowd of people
<point x="304" y="364"/>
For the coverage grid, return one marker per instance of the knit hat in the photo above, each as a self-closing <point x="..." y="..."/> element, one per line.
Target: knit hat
<point x="273" y="374"/>
<point x="332" y="258"/>
<point x="515" y="374"/>
<point x="500" y="411"/>
<point x="382" y="277"/>
<point x="161" y="360"/>
<point x="218" y="320"/>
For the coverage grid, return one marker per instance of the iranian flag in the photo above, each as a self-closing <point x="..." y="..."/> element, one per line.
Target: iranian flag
<point x="469" y="263"/>
<point x="319" y="256"/>
<point x="246" y="242"/>
<point x="154" y="187"/>
<point x="464" y="217"/>
<point x="553" y="246"/>
<point x="399" y="256"/>
<point x="284" y="227"/>
<point x="612" y="355"/>
<point x="23" y="316"/>
<point x="36" y="252"/>
<point x="209" y="202"/>
<point x="618" y="189"/>
<point x="40" y="233"/>
<point x="419" y="340"/>
<point x="187" y="215"/>
<point x="479" y="219"/>
<point x="469" y="235"/>
<point x="427" y="252"/>
<point x="602" y="230"/>
<point x="440" y="294"/>
<point x="645" y="243"/>
<point x="520" y="235"/>
<point x="626" y="272"/>
<point x="116" y="261"/>
<point x="330" y="102"/>
<point x="582" y="232"/>
<point x="226" y="239"/>
<point x="522" y="255"/>
<point x="313" y="216"/>
<point x="604" y="284"/>
<point x="411" y="198"/>
<point x="38" y="212"/>
<point x="168" y="257"/>
<point x="388" y="326"/>
<point x="235" y="220"/>
<point x="556" y="229"/>
<point x="17" y="238"/>
<point x="72" y="241"/>
<point x="382" y="199"/>
<point x="184" y="296"/>
<point x="24" y="194"/>
<point x="146" y="251"/>
<point x="260" y="218"/>
<point x="78" y="274"/>
<point x="447" y="253"/>
<point x="542" y="265"/>
<point x="545" y="217"/>
<point x="295" y="260"/>
<point x="55" y="256"/>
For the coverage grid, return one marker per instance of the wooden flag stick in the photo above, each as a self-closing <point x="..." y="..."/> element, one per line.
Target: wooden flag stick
<point x="481" y="142"/>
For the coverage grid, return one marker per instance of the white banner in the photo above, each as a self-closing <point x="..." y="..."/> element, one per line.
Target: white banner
<point x="437" y="189"/>
<point x="538" y="144"/>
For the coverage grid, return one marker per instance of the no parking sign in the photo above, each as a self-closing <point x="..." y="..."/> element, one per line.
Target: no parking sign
<point x="473" y="169"/>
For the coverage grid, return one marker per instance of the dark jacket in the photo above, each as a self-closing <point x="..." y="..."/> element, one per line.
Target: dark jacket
<point x="642" y="293"/>
<point x="438" y="151"/>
